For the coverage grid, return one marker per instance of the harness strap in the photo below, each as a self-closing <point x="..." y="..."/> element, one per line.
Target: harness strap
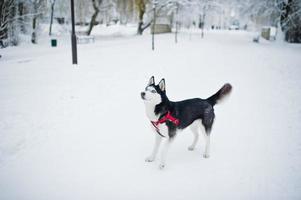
<point x="167" y="117"/>
<point x="157" y="129"/>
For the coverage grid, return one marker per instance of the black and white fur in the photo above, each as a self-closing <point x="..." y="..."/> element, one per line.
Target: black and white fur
<point x="194" y="113"/>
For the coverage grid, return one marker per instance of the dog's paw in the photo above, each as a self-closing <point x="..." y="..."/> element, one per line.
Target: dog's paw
<point x="149" y="159"/>
<point x="206" y="155"/>
<point x="161" y="166"/>
<point x="191" y="148"/>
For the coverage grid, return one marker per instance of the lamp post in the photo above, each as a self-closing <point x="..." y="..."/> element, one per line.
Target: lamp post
<point x="154" y="23"/>
<point x="176" y="32"/>
<point x="73" y="36"/>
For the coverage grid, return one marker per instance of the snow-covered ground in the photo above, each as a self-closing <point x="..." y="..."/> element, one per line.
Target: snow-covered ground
<point x="80" y="132"/>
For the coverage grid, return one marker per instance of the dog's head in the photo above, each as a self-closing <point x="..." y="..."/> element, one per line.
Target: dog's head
<point x="153" y="93"/>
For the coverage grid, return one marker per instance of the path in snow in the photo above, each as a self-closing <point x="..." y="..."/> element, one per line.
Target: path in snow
<point x="80" y="132"/>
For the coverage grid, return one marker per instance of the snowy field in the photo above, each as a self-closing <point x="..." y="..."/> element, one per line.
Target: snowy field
<point x="80" y="132"/>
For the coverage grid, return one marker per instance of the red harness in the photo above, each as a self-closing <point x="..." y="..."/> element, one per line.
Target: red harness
<point x="165" y="118"/>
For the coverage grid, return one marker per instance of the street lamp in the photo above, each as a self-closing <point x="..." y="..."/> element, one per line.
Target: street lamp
<point x="73" y="36"/>
<point x="176" y="19"/>
<point x="154" y="23"/>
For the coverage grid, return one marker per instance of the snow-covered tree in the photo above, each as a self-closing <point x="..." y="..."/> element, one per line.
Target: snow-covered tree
<point x="37" y="10"/>
<point x="96" y="6"/>
<point x="125" y="10"/>
<point x="104" y="7"/>
<point x="283" y="13"/>
<point x="141" y="6"/>
<point x="6" y="17"/>
<point x="290" y="20"/>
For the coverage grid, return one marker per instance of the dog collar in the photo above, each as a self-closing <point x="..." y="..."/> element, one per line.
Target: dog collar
<point x="167" y="117"/>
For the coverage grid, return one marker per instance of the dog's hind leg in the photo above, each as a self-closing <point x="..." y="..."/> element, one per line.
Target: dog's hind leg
<point x="194" y="127"/>
<point x="152" y="157"/>
<point x="207" y="123"/>
<point x="207" y="144"/>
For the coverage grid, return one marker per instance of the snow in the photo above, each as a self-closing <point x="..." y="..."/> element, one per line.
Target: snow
<point x="80" y="131"/>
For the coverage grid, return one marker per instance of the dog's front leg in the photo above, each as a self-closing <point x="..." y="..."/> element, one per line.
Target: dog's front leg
<point x="164" y="152"/>
<point x="158" y="140"/>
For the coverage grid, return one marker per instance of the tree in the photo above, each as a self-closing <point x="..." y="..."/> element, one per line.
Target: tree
<point x="141" y="7"/>
<point x="290" y="20"/>
<point x="36" y="7"/>
<point x="285" y="13"/>
<point x="51" y="15"/>
<point x="5" y="15"/>
<point x="205" y="6"/>
<point x="13" y="25"/>
<point x="125" y="10"/>
<point x="96" y="6"/>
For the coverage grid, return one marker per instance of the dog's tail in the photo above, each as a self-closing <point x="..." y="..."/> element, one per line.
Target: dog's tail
<point x="221" y="94"/>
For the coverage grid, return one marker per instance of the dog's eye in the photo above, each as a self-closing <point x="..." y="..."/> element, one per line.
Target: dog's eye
<point x="153" y="91"/>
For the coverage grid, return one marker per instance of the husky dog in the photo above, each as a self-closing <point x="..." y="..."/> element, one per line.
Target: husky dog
<point x="168" y="117"/>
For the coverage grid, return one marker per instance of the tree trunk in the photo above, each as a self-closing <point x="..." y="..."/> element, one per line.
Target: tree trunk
<point x="51" y="18"/>
<point x="13" y="27"/>
<point x="4" y="21"/>
<point x="141" y="11"/>
<point x="36" y="4"/>
<point x="92" y="22"/>
<point x="290" y="21"/>
<point x="21" y="17"/>
<point x="34" y="35"/>
<point x="203" y="22"/>
<point x="140" y="30"/>
<point x="96" y="6"/>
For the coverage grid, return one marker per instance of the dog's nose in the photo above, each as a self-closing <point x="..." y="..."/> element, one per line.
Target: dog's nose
<point x="142" y="95"/>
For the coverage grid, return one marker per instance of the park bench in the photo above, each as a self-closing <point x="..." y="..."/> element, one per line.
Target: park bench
<point x="163" y="25"/>
<point x="85" y="39"/>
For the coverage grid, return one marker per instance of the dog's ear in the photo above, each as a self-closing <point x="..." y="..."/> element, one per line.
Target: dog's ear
<point x="151" y="81"/>
<point x="162" y="85"/>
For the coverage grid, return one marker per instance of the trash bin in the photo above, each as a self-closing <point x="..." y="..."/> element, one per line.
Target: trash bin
<point x="265" y="32"/>
<point x="53" y="42"/>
